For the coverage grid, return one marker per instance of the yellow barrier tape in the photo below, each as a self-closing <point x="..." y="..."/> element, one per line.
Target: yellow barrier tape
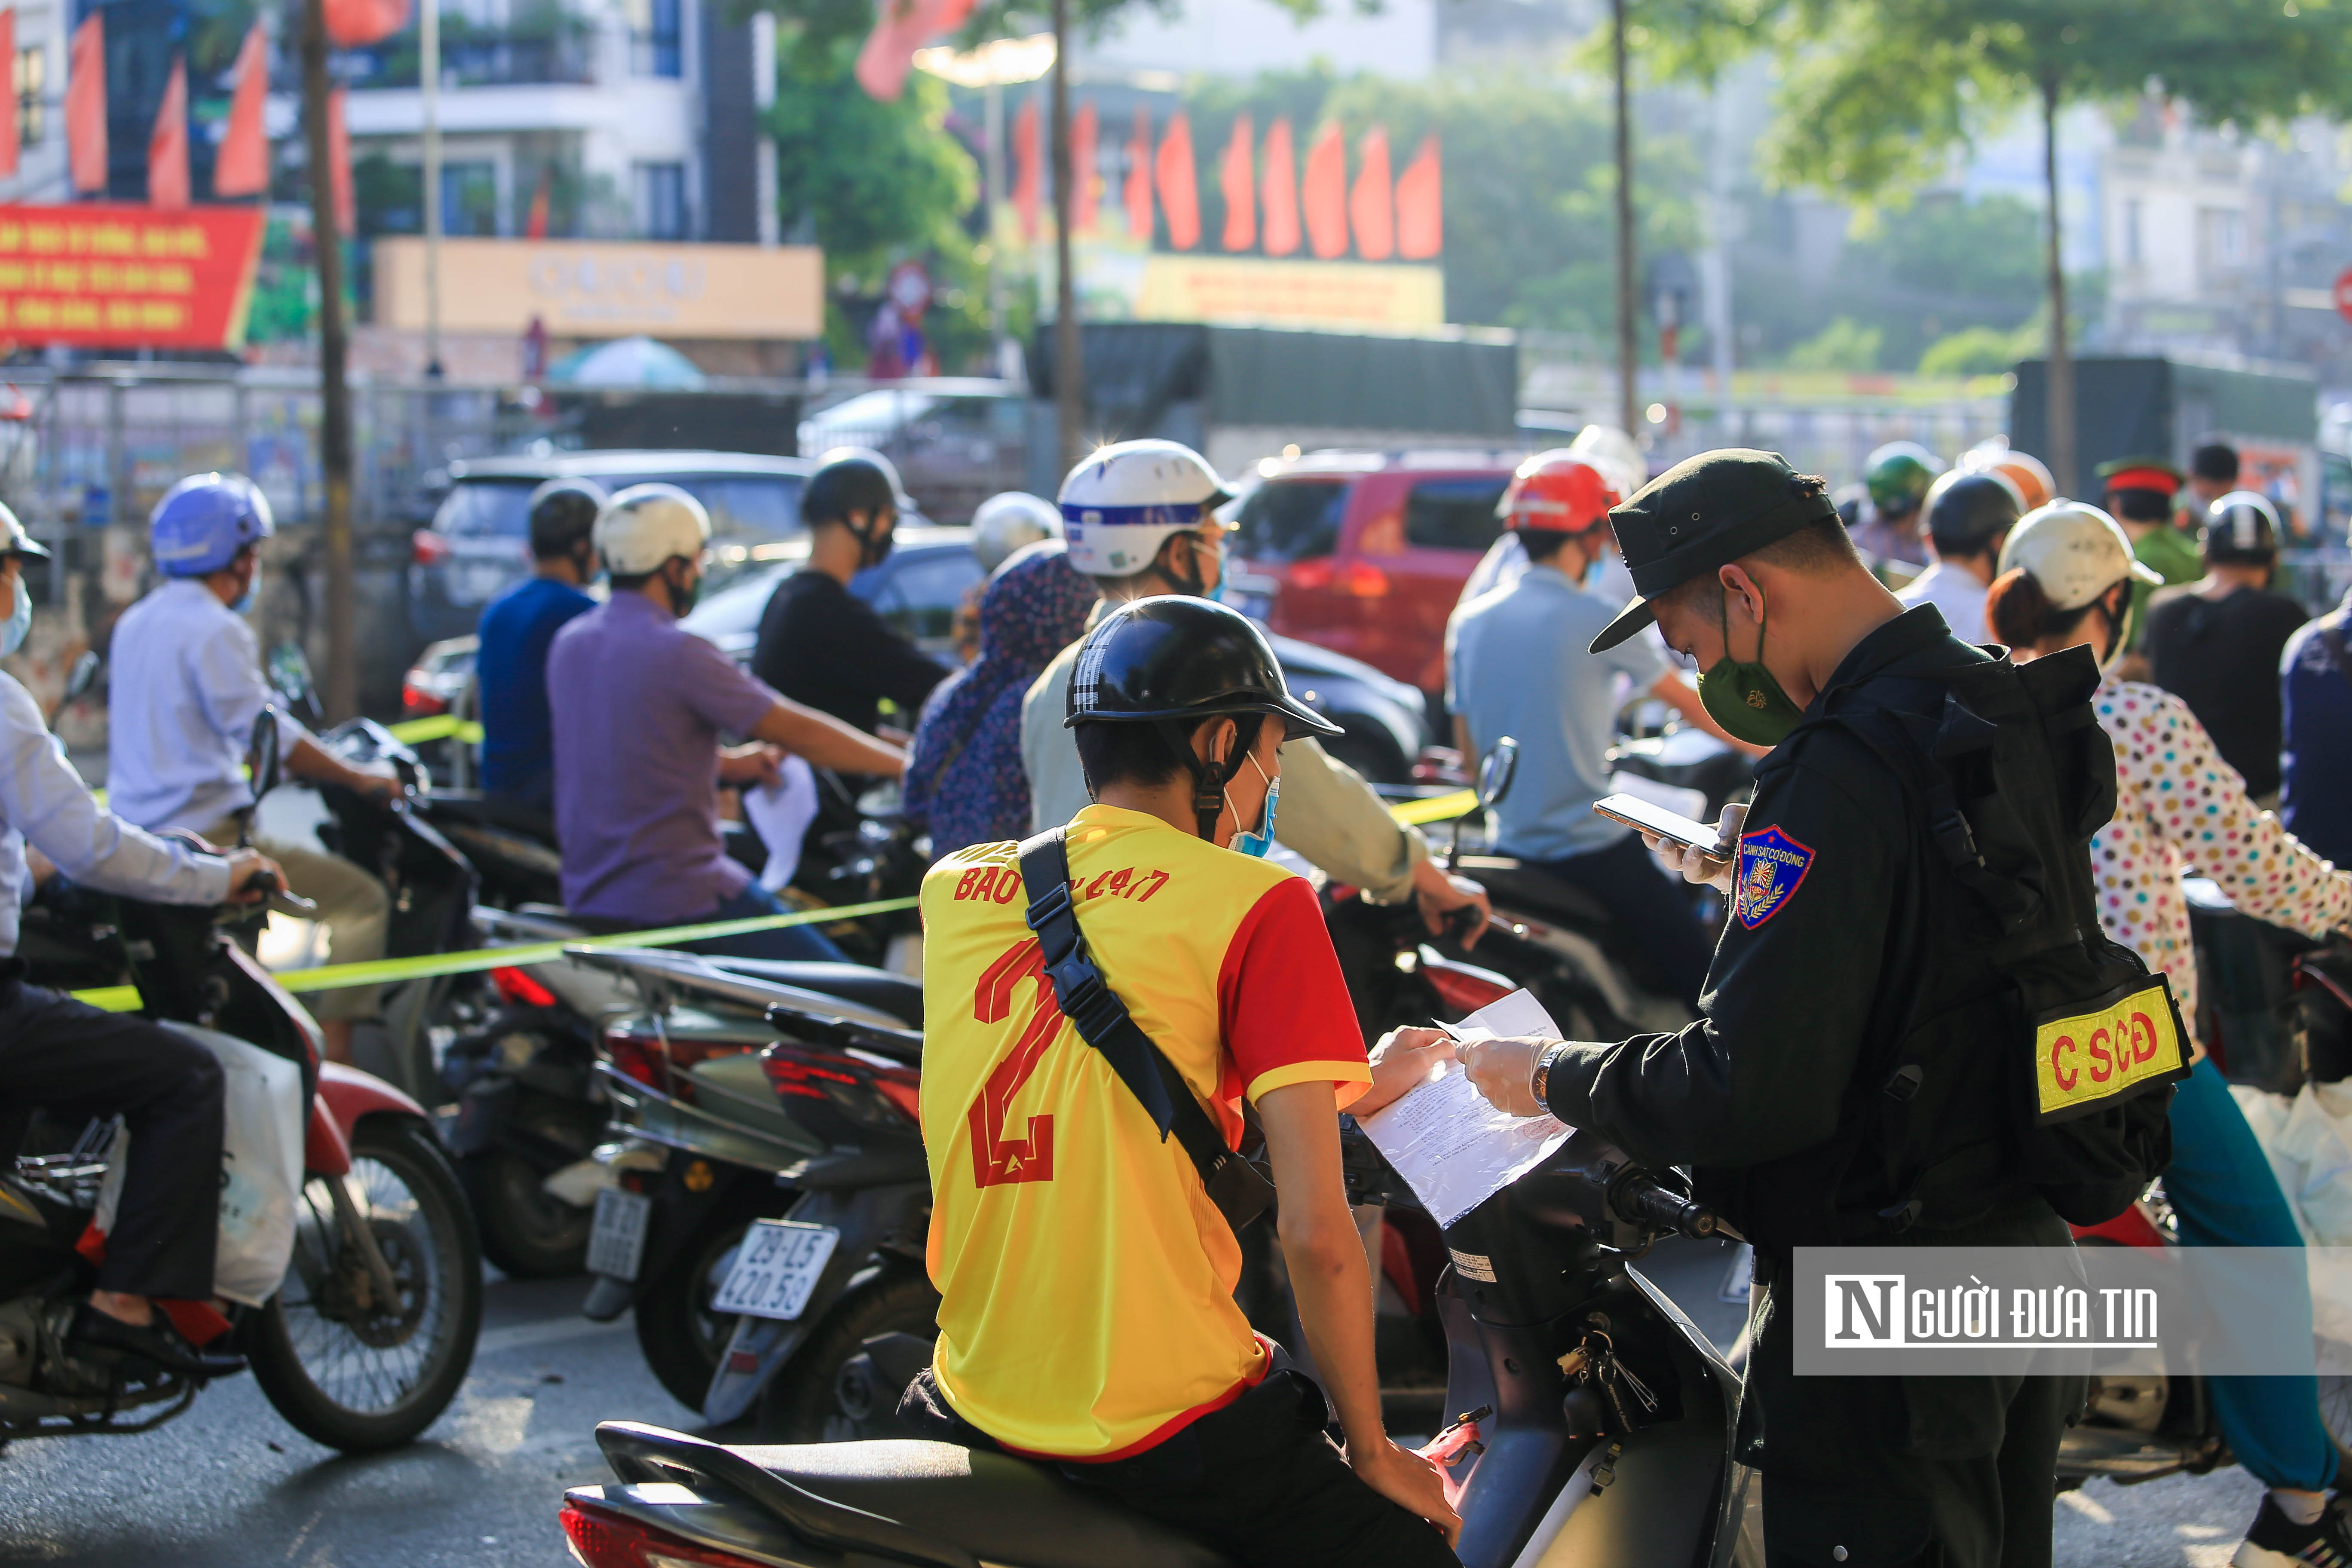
<point x="439" y="726"/>
<point x="1436" y="809"/>
<point x="391" y="971"/>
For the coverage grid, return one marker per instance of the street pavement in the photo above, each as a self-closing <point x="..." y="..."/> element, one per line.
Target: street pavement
<point x="230" y="1485"/>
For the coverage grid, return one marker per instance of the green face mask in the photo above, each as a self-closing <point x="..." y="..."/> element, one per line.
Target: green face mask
<point x="1743" y="697"/>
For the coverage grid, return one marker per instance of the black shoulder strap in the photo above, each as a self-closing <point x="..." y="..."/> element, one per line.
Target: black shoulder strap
<point x="2332" y="639"/>
<point x="1102" y="1020"/>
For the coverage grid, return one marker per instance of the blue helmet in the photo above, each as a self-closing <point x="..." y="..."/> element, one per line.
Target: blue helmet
<point x="203" y="522"/>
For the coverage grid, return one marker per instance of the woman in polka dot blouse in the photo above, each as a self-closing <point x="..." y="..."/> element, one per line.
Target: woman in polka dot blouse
<point x="2066" y="579"/>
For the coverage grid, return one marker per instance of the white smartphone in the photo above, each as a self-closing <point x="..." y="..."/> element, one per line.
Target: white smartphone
<point x="1656" y="820"/>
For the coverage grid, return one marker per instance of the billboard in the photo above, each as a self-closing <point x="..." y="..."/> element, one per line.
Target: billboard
<point x="98" y="275"/>
<point x="591" y="289"/>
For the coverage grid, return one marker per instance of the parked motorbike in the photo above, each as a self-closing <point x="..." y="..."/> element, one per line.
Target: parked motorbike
<point x="738" y="1097"/>
<point x="369" y="1336"/>
<point x="1595" y="1428"/>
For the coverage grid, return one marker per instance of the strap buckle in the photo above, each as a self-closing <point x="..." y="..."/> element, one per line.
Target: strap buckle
<point x="1051" y="905"/>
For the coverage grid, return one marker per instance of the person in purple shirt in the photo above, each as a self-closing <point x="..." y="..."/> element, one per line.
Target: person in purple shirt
<point x="638" y="708"/>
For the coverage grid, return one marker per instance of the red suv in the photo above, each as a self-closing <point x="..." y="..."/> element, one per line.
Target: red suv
<point x="1365" y="554"/>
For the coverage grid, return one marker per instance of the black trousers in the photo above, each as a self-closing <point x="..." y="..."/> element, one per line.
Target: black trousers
<point x="73" y="1060"/>
<point x="1257" y="1481"/>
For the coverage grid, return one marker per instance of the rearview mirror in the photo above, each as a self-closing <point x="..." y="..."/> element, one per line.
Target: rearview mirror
<point x="289" y="673"/>
<point x="1497" y="771"/>
<point x="261" y="755"/>
<point x="83" y="676"/>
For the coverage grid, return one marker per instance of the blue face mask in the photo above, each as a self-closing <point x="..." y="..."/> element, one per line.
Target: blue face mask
<point x="20" y="622"/>
<point x="244" y="606"/>
<point x="1255" y="843"/>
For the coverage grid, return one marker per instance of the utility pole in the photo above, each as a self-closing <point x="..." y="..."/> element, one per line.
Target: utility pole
<point x="1629" y="352"/>
<point x="2060" y="381"/>
<point x="342" y="688"/>
<point x="428" y="86"/>
<point x="1069" y="359"/>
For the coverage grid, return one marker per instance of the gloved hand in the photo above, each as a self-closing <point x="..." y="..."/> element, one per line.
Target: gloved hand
<point x="1691" y="865"/>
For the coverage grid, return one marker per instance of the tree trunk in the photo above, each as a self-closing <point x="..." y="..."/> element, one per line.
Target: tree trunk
<point x="1069" y="360"/>
<point x="1629" y="353"/>
<point x="2060" y="381"/>
<point x="341" y="696"/>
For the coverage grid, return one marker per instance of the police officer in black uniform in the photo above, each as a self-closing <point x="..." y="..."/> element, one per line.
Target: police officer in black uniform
<point x="1847" y="941"/>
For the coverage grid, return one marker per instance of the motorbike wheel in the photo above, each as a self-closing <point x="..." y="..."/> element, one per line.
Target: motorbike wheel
<point x="357" y="1378"/>
<point x="682" y="1338"/>
<point x="526" y="1231"/>
<point x="799" y="1406"/>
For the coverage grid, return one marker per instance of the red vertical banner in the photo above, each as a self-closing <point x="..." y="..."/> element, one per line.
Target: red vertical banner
<point x="1324" y="196"/>
<point x="339" y="165"/>
<point x="86" y="105"/>
<point x="1370" y="212"/>
<point x="1278" y="189"/>
<point x="1137" y="198"/>
<point x="355" y="23"/>
<point x="167" y="144"/>
<point x="1240" y="190"/>
<point x="888" y="54"/>
<point x="1028" y="170"/>
<point x="1421" y="204"/>
<point x="1179" y="182"/>
<point x="241" y="166"/>
<point x="1086" y="190"/>
<point x="8" y="64"/>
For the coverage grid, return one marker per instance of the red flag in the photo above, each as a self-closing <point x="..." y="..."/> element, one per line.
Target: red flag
<point x="241" y="167"/>
<point x="1086" y="185"/>
<point x="355" y="23"/>
<point x="1137" y="196"/>
<point x="1370" y="212"/>
<point x="1239" y="188"/>
<point x="1179" y="186"/>
<point x="1421" y="204"/>
<point x="86" y="105"/>
<point x="1278" y="190"/>
<point x="167" y="144"/>
<point x="1028" y="170"/>
<point x="339" y="165"/>
<point x="535" y="226"/>
<point x="1324" y="194"/>
<point x="900" y="27"/>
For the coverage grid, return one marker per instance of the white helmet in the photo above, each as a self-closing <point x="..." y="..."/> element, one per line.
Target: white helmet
<point x="2075" y="550"/>
<point x="1005" y="522"/>
<point x="1615" y="455"/>
<point x="1124" y="500"/>
<point x="645" y="525"/>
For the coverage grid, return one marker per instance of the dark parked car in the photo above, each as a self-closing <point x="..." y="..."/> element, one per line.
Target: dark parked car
<point x="479" y="542"/>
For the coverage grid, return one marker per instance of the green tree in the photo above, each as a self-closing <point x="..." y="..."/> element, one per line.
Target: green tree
<point x="1844" y="345"/>
<point x="1875" y="96"/>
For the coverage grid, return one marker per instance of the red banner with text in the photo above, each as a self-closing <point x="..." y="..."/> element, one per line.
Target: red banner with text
<point x="98" y="275"/>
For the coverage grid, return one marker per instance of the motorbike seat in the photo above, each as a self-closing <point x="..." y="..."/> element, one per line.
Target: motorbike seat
<point x="893" y="993"/>
<point x="1516" y="885"/>
<point x="998" y="1507"/>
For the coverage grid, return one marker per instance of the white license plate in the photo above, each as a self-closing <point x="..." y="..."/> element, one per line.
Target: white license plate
<point x="617" y="1242"/>
<point x="776" y="1268"/>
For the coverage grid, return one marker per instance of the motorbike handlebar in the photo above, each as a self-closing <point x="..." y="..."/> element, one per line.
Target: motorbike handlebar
<point x="1640" y="1198"/>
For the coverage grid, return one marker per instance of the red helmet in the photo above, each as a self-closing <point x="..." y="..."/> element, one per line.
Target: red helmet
<point x="1555" y="492"/>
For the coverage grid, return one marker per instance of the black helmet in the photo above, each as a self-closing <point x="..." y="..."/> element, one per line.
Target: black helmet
<point x="562" y="514"/>
<point x="851" y="480"/>
<point x="1966" y="512"/>
<point x="2242" y="527"/>
<point x="1176" y="661"/>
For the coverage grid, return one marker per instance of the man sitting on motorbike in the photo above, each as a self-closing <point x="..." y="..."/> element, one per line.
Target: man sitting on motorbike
<point x="637" y="705"/>
<point x="74" y="1060"/>
<point x="510" y="665"/>
<point x="1516" y="665"/>
<point x="819" y="644"/>
<point x="1139" y="518"/>
<point x="1086" y="1277"/>
<point x="186" y="688"/>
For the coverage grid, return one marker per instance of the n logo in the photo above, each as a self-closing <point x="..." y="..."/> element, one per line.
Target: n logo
<point x="1864" y="1310"/>
<point x="996" y="1159"/>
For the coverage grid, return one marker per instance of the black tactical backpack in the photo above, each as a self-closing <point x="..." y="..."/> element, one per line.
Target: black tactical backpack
<point x="2072" y="1032"/>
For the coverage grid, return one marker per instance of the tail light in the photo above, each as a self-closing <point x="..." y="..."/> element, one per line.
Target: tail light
<point x="870" y="1094"/>
<point x="1315" y="573"/>
<point x="636" y="1056"/>
<point x="1463" y="985"/>
<point x="417" y="702"/>
<point x="429" y="548"/>
<point x="1362" y="580"/>
<point x="659" y="1061"/>
<point x="603" y="1537"/>
<point x="519" y="990"/>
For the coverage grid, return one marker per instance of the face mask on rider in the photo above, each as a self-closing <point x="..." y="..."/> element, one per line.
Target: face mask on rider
<point x="19" y="623"/>
<point x="1743" y="696"/>
<point x="245" y="601"/>
<point x="682" y="596"/>
<point x="1256" y="843"/>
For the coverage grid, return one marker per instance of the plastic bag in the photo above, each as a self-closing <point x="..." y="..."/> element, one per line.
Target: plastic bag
<point x="261" y="1167"/>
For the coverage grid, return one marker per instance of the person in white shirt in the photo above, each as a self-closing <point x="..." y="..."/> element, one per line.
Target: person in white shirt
<point x="74" y="1060"/>
<point x="1967" y="517"/>
<point x="187" y="688"/>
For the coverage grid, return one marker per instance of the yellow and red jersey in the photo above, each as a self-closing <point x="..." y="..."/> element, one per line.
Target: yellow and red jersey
<point x="1087" y="1279"/>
